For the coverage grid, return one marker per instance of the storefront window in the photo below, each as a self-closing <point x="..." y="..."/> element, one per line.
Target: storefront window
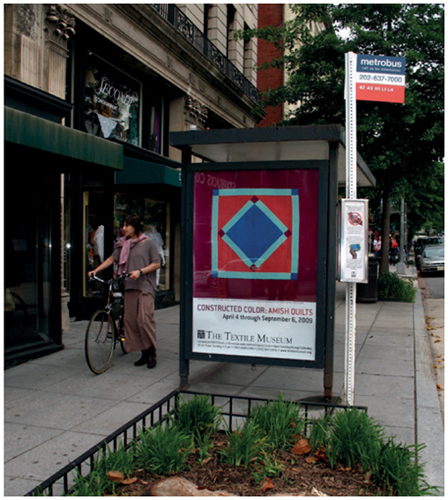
<point x="112" y="106"/>
<point x="94" y="220"/>
<point x="155" y="216"/>
<point x="28" y="257"/>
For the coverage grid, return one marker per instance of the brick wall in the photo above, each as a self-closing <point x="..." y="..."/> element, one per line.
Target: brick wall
<point x="269" y="15"/>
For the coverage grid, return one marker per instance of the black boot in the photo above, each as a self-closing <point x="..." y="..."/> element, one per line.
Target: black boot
<point x="144" y="358"/>
<point x="152" y="360"/>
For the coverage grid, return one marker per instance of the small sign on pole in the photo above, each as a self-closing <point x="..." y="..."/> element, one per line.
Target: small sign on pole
<point x="354" y="241"/>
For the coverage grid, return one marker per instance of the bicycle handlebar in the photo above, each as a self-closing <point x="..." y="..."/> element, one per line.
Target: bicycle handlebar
<point x="123" y="276"/>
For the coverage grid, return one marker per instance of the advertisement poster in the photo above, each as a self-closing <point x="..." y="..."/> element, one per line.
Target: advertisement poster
<point x="255" y="328"/>
<point x="354" y="241"/>
<point x="255" y="263"/>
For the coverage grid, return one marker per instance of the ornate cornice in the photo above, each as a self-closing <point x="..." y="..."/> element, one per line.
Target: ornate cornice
<point x="59" y="24"/>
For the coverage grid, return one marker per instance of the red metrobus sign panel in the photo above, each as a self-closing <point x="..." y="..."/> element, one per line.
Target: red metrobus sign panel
<point x="380" y="78"/>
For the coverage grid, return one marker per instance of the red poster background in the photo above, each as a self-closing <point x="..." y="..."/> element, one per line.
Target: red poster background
<point x="303" y="289"/>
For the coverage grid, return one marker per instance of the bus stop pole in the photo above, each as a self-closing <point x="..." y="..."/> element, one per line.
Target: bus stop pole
<point x="351" y="181"/>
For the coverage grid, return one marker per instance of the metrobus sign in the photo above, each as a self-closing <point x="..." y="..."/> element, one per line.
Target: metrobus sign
<point x="380" y="78"/>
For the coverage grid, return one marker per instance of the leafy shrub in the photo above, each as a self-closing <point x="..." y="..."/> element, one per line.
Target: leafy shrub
<point x="391" y="286"/>
<point x="279" y="421"/>
<point x="399" y="469"/>
<point x="163" y="450"/>
<point x="198" y="416"/>
<point x="96" y="482"/>
<point x="352" y="434"/>
<point x="320" y="432"/>
<point x="245" y="445"/>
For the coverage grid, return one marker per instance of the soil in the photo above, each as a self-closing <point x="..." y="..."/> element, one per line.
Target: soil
<point x="298" y="478"/>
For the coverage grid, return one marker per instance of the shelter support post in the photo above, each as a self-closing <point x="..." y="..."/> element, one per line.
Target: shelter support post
<point x="185" y="316"/>
<point x="331" y="274"/>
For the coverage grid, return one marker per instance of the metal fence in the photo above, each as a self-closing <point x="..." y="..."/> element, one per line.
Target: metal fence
<point x="173" y="15"/>
<point x="234" y="410"/>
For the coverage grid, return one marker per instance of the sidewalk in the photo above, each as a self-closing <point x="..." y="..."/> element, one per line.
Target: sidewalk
<point x="55" y="408"/>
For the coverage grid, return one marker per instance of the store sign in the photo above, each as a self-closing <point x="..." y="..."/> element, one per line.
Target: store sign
<point x="380" y="78"/>
<point x="112" y="102"/>
<point x="255" y="263"/>
<point x="354" y="241"/>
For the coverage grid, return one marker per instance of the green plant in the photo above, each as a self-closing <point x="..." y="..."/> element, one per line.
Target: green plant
<point x="391" y="286"/>
<point x="320" y="432"/>
<point x="279" y="420"/>
<point x="268" y="466"/>
<point x="398" y="468"/>
<point x="352" y="432"/>
<point x="163" y="450"/>
<point x="96" y="482"/>
<point x="244" y="445"/>
<point x="204" y="443"/>
<point x="198" y="416"/>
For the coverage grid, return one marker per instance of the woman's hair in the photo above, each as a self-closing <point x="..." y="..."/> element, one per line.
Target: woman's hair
<point x="134" y="221"/>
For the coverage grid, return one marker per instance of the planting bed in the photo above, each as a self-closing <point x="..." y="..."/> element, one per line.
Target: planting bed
<point x="299" y="477"/>
<point x="246" y="447"/>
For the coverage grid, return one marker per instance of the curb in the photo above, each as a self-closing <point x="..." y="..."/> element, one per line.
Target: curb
<point x="429" y="425"/>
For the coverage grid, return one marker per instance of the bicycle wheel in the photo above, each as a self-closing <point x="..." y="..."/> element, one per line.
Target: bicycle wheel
<point x="99" y="343"/>
<point x="120" y="336"/>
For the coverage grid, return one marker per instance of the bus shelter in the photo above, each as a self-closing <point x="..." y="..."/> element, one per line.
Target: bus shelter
<point x="259" y="245"/>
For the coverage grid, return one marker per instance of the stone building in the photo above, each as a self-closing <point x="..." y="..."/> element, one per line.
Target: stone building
<point x="91" y="93"/>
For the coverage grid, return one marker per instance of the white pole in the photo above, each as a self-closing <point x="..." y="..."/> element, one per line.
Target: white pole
<point x="351" y="181"/>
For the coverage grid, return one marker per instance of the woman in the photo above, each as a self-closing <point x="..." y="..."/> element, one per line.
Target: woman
<point x="137" y="255"/>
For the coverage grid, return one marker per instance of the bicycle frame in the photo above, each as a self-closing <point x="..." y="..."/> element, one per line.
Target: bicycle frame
<point x="109" y="304"/>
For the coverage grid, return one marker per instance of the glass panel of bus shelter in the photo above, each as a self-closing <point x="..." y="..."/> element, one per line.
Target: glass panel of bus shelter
<point x="255" y="261"/>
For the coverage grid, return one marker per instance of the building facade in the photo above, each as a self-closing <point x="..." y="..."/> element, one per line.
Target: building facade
<point x="92" y="92"/>
<point x="271" y="78"/>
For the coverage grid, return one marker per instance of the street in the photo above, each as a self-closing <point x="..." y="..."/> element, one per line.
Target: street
<point x="433" y="297"/>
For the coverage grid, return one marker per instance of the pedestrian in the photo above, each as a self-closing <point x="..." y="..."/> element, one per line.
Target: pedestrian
<point x="394" y="249"/>
<point x="137" y="255"/>
<point x="377" y="246"/>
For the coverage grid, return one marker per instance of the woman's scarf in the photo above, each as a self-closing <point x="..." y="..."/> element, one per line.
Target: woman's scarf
<point x="126" y="244"/>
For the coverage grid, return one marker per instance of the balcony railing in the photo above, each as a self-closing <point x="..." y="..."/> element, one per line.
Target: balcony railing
<point x="172" y="14"/>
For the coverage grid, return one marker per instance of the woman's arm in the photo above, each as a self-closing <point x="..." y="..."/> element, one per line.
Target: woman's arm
<point x="104" y="265"/>
<point x="135" y="275"/>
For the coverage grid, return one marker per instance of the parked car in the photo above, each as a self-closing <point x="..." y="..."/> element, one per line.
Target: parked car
<point x="419" y="244"/>
<point x="432" y="259"/>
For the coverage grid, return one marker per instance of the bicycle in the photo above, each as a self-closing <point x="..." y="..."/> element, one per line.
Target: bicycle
<point x="102" y="334"/>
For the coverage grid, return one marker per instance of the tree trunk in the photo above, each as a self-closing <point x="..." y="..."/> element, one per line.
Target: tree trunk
<point x="384" y="264"/>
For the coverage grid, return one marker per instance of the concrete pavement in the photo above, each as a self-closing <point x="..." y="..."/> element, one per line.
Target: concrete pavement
<point x="55" y="408"/>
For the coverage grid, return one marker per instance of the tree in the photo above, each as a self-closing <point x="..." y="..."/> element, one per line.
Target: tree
<point x="403" y="144"/>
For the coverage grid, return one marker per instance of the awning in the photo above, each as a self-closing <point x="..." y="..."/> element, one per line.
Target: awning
<point x="31" y="131"/>
<point x="146" y="172"/>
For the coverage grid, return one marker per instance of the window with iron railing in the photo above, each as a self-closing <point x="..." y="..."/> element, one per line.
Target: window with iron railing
<point x="174" y="16"/>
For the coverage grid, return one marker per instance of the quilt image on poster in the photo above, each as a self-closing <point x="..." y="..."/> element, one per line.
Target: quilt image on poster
<point x="255" y="233"/>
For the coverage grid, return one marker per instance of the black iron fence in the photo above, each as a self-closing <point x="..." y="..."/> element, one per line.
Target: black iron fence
<point x="234" y="409"/>
<point x="172" y="14"/>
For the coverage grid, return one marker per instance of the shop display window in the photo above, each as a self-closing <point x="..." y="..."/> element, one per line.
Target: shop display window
<point x="94" y="221"/>
<point x="112" y="102"/>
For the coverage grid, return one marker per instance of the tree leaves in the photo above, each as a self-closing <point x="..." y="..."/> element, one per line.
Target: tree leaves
<point x="402" y="144"/>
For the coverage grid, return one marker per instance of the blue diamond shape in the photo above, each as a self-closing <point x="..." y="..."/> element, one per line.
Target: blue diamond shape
<point x="254" y="233"/>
